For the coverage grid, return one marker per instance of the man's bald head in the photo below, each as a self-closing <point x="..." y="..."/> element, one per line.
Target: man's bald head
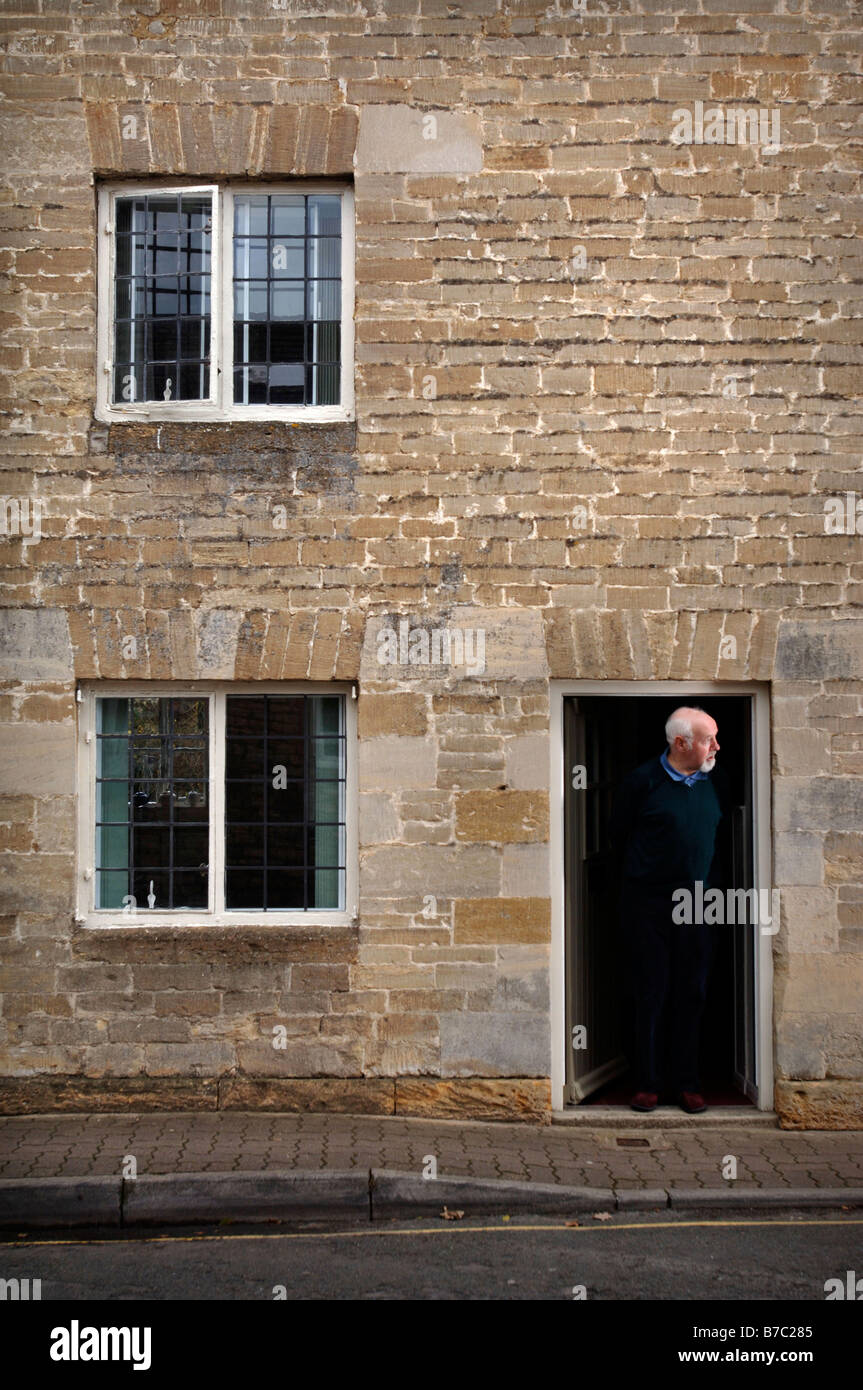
<point x="691" y="736"/>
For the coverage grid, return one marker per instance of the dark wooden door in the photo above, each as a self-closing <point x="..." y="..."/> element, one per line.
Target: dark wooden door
<point x="594" y="1034"/>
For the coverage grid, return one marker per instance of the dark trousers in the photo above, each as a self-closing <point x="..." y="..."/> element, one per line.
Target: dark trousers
<point x="669" y="967"/>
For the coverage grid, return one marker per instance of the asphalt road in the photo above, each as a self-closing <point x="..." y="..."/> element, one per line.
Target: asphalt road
<point x="636" y="1256"/>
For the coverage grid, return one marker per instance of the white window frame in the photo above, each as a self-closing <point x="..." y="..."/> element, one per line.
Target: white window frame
<point x="220" y="405"/>
<point x="88" y="915"/>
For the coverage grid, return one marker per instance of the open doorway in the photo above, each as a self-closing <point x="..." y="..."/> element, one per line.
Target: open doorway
<point x="609" y="735"/>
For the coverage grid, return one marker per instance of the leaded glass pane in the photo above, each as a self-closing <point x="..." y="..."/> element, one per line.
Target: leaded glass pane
<point x="285" y="774"/>
<point x="162" y="272"/>
<point x="287" y="275"/>
<point x="152" y="803"/>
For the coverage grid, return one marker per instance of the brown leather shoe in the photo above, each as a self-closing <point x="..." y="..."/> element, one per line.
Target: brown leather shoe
<point x="692" y="1102"/>
<point x="644" y="1100"/>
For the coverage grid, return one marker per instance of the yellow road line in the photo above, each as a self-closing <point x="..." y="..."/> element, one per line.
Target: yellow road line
<point x="443" y="1230"/>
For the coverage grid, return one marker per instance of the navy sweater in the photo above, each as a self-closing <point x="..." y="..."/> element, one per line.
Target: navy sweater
<point x="665" y="831"/>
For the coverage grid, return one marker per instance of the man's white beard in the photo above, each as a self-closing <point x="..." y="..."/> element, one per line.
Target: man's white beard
<point x="707" y="765"/>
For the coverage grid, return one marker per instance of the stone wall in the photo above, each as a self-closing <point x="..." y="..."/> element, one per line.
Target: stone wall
<point x="605" y="383"/>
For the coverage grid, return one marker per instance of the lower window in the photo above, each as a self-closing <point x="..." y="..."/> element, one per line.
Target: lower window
<point x="218" y="803"/>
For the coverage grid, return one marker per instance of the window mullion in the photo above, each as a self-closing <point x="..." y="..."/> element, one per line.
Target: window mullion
<point x="226" y="301"/>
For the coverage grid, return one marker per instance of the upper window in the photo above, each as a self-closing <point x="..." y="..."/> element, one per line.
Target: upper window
<point x="226" y="303"/>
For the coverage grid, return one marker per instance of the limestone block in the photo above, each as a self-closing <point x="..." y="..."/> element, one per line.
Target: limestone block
<point x="464" y="975"/>
<point x="822" y="982"/>
<point x="525" y="870"/>
<point x="378" y="822"/>
<point x="502" y="817"/>
<point x="819" y="1104"/>
<point x="216" y="631"/>
<point x="380" y="977"/>
<point x="335" y="1057"/>
<point x="38" y="1095"/>
<point x="506" y="1099"/>
<point x="356" y="1096"/>
<point x="789" y="711"/>
<point x="462" y="643"/>
<point x="441" y="870"/>
<point x="809" y="921"/>
<point x="35" y="645"/>
<point x="37" y="758"/>
<point x="396" y="139"/>
<point x="397" y="764"/>
<point x="800" y="1046"/>
<point x="816" y="803"/>
<point x="204" y="1057"/>
<point x="515" y="1043"/>
<point x="411" y="1057"/>
<point x="55" y="823"/>
<point x="820" y="650"/>
<point x="496" y="921"/>
<point x="37" y="882"/>
<point x="843" y="857"/>
<point x="801" y="752"/>
<point x="527" y="762"/>
<point x="844" y="1045"/>
<point x="799" y="859"/>
<point x="402" y="715"/>
<point x="523" y="979"/>
<point x="128" y="1059"/>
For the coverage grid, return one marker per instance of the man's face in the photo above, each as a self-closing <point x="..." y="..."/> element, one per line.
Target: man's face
<point x="701" y="757"/>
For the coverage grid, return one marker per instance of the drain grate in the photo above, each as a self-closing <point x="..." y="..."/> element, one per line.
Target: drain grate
<point x="633" y="1143"/>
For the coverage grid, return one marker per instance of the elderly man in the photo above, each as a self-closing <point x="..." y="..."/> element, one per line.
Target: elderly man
<point x="664" y="826"/>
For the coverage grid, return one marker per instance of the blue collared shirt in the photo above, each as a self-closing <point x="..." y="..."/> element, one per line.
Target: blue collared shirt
<point x="681" y="776"/>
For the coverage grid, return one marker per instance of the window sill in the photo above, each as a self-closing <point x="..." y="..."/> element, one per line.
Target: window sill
<point x="268" y="922"/>
<point x="290" y="940"/>
<point x="193" y="413"/>
<point x="177" y="441"/>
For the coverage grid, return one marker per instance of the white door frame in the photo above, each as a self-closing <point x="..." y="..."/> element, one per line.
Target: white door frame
<point x="759" y="692"/>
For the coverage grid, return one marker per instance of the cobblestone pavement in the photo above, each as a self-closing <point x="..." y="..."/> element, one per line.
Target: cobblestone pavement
<point x="43" y="1146"/>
